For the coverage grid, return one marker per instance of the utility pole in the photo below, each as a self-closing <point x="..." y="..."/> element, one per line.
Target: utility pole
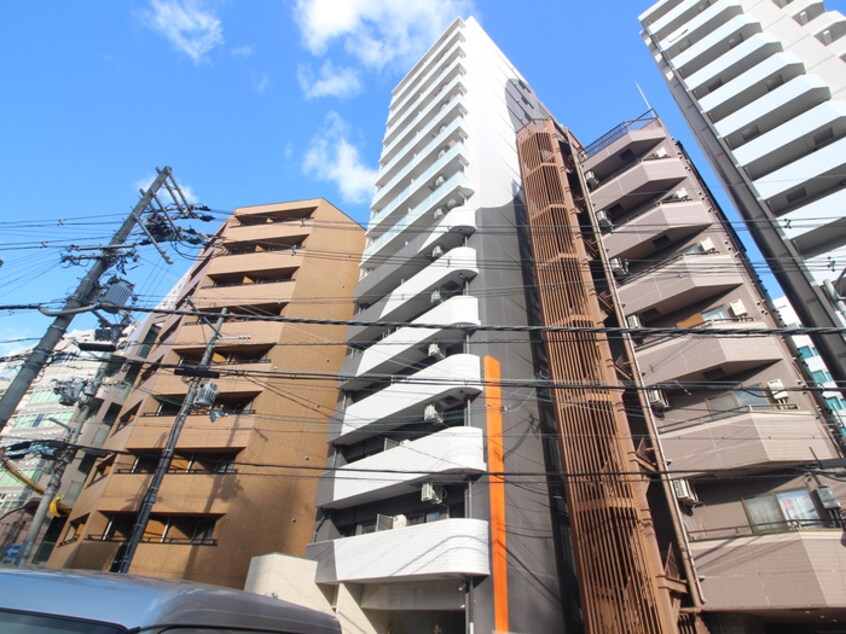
<point x="81" y="298"/>
<point x="127" y="551"/>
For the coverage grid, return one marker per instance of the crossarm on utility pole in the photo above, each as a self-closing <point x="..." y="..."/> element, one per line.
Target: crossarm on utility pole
<point x="83" y="295"/>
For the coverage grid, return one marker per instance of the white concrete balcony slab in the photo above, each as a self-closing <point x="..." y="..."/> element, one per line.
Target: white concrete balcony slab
<point x="700" y="23"/>
<point x="417" y="191"/>
<point x="413" y="297"/>
<point x="456" y="376"/>
<point x="791" y="140"/>
<point x="408" y="346"/>
<point x="454" y="131"/>
<point x="774" y="108"/>
<point x="750" y="438"/>
<point x="799" y="570"/>
<point x="688" y="357"/>
<point x="453" y="548"/>
<point x="670" y="20"/>
<point x="713" y="44"/>
<point x="830" y="159"/>
<point x="737" y="92"/>
<point x="422" y="71"/>
<point x="814" y="226"/>
<point x="415" y="252"/>
<point x="679" y="282"/>
<point x="447" y="71"/>
<point x="635" y="238"/>
<point x="735" y="61"/>
<point x="452" y="451"/>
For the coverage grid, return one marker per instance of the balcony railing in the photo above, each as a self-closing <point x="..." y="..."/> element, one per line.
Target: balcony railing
<point x="154" y="540"/>
<point x="768" y="528"/>
<point x="617" y="132"/>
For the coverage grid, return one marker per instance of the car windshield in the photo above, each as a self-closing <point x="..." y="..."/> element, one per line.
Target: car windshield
<point x="20" y="623"/>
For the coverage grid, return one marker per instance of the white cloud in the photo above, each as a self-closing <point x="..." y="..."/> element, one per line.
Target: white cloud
<point x="377" y="32"/>
<point x="331" y="157"/>
<point x="188" y="25"/>
<point x="242" y="51"/>
<point x="330" y="82"/>
<point x="261" y="83"/>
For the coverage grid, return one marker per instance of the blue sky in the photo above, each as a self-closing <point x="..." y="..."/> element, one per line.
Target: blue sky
<point x="254" y="102"/>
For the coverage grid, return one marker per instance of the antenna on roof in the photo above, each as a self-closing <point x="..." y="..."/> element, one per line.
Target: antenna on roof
<point x="643" y="96"/>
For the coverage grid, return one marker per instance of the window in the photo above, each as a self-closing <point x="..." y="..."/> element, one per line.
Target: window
<point x="738" y="402"/>
<point x="834" y="403"/>
<point x="821" y="376"/>
<point x="807" y="352"/>
<point x="103" y="468"/>
<point x="716" y="314"/>
<point x="778" y="512"/>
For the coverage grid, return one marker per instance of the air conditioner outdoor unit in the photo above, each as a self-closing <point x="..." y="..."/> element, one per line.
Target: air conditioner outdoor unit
<point x="384" y="522"/>
<point x="439" y="213"/>
<point x="603" y="221"/>
<point x="431" y="492"/>
<point x="432" y="415"/>
<point x="591" y="180"/>
<point x="435" y="297"/>
<point x="738" y="309"/>
<point x="660" y="153"/>
<point x="634" y="321"/>
<point x="777" y="391"/>
<point x="707" y="245"/>
<point x="437" y="252"/>
<point x="680" y="194"/>
<point x="441" y="152"/>
<point x="400" y="521"/>
<point x="657" y="400"/>
<point x="436" y="351"/>
<point x="440" y="180"/>
<point x="684" y="492"/>
<point x="618" y="267"/>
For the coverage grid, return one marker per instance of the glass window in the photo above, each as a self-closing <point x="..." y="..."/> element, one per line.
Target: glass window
<point x="835" y="403"/>
<point x="716" y="314"/>
<point x="820" y="376"/>
<point x="807" y="352"/>
<point x="738" y="402"/>
<point x="778" y="512"/>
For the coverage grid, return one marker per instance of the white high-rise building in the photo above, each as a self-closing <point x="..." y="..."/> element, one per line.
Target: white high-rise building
<point x="412" y="529"/>
<point x="762" y="84"/>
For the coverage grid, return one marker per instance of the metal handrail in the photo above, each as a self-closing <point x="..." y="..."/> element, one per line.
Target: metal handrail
<point x="619" y="131"/>
<point x="768" y="528"/>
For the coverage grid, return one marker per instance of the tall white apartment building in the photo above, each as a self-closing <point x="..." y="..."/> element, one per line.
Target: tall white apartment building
<point x="762" y="84"/>
<point x="418" y="528"/>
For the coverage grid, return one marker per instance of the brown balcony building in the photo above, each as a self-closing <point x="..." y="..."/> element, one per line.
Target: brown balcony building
<point x="732" y="512"/>
<point x="241" y="482"/>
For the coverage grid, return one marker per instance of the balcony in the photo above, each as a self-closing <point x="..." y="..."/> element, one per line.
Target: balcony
<point x="228" y="432"/>
<point x="640" y="183"/>
<point x="749" y="438"/>
<point x="180" y="493"/>
<point x="805" y="228"/>
<point x="448" y="233"/>
<point x="420" y="189"/>
<point x="456" y="450"/>
<point x="735" y="61"/>
<point x="774" y="108"/>
<point x="715" y="44"/>
<point x="413" y="297"/>
<point x="792" y="140"/>
<point x="453" y="548"/>
<point x="259" y="293"/>
<point x="635" y="238"/>
<point x="689" y="357"/>
<point x="736" y="93"/>
<point x="699" y="23"/>
<point x="679" y="282"/>
<point x="800" y="570"/>
<point x="279" y="260"/>
<point x="289" y="230"/>
<point x="228" y="383"/>
<point x="408" y="346"/>
<point x="815" y="173"/>
<point x="254" y="333"/>
<point x="639" y="136"/>
<point x="404" y="401"/>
